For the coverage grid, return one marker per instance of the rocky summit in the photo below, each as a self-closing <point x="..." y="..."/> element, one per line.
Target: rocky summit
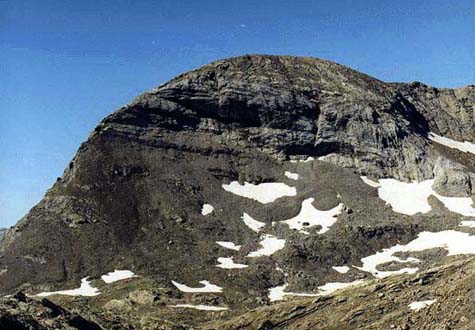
<point x="258" y="192"/>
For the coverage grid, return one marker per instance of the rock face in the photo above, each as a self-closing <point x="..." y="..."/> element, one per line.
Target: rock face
<point x="452" y="179"/>
<point x="132" y="197"/>
<point x="2" y="232"/>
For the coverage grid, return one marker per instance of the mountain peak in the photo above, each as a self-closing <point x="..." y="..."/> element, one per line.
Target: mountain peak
<point x="297" y="106"/>
<point x="246" y="181"/>
<point x="279" y="72"/>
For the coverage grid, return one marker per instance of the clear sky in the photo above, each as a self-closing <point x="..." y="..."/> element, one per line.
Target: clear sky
<point x="64" y="65"/>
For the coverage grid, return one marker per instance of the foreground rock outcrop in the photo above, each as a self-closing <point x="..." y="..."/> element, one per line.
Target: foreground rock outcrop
<point x="21" y="312"/>
<point x="157" y="188"/>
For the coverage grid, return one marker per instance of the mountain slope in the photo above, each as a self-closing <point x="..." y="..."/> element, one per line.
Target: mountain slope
<point x="134" y="196"/>
<point x="388" y="304"/>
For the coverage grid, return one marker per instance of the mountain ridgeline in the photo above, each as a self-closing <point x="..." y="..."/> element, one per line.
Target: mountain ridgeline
<point x="289" y="167"/>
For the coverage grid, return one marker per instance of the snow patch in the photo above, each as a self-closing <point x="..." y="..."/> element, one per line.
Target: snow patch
<point x="86" y="290"/>
<point x="229" y="245"/>
<point x="310" y="216"/>
<point x="454" y="242"/>
<point x="277" y="293"/>
<point x="470" y="224"/>
<point x="207" y="209"/>
<point x="331" y="287"/>
<point x="201" y="307"/>
<point x="290" y="175"/>
<point x="117" y="275"/>
<point x="412" y="198"/>
<point x="306" y="160"/>
<point x="207" y="288"/>
<point x="460" y="205"/>
<point x="341" y="269"/>
<point x="270" y="244"/>
<point x="406" y="198"/>
<point x="462" y="146"/>
<point x="228" y="263"/>
<point x="418" y="305"/>
<point x="263" y="193"/>
<point x="370" y="182"/>
<point x="324" y="158"/>
<point x="251" y="223"/>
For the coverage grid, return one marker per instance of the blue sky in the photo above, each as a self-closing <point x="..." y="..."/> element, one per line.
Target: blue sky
<point x="67" y="64"/>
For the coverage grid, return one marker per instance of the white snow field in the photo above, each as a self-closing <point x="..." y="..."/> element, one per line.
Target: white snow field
<point x="207" y="209"/>
<point x="418" y="305"/>
<point x="412" y="198"/>
<point x="406" y="198"/>
<point x="290" y="175"/>
<point x="467" y="223"/>
<point x="462" y="146"/>
<point x="369" y="182"/>
<point x="117" y="275"/>
<point x="270" y="244"/>
<point x="229" y="245"/>
<point x="86" y="290"/>
<point x="277" y="293"/>
<point x="251" y="223"/>
<point x="310" y="216"/>
<point x="228" y="263"/>
<point x="306" y="160"/>
<point x="460" y="205"/>
<point x="454" y="242"/>
<point x="341" y="269"/>
<point x="207" y="288"/>
<point x="201" y="307"/>
<point x="263" y="193"/>
<point x="331" y="287"/>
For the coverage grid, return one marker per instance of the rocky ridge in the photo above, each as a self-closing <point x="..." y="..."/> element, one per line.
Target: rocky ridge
<point x="2" y="232"/>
